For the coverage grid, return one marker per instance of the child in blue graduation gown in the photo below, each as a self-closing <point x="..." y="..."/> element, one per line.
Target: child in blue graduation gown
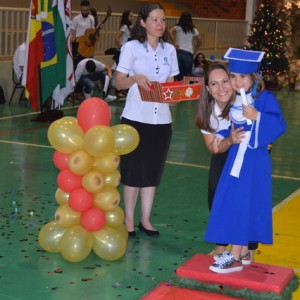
<point x="242" y="206"/>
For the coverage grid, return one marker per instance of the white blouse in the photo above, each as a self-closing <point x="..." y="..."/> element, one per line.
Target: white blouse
<point x="157" y="65"/>
<point x="125" y="36"/>
<point x="216" y="122"/>
<point x="185" y="40"/>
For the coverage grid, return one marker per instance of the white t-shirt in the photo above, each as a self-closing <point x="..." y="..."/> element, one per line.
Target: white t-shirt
<point x="125" y="34"/>
<point x="185" y="40"/>
<point x="157" y="65"/>
<point x="216" y="122"/>
<point x="19" y="59"/>
<point x="81" y="70"/>
<point x="81" y="24"/>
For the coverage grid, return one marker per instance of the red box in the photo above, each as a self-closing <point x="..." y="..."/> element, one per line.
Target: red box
<point x="187" y="89"/>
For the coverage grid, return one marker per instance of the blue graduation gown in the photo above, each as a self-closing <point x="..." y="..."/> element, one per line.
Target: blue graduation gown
<point x="242" y="206"/>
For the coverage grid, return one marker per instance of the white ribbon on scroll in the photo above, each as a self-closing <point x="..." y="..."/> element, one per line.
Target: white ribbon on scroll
<point x="244" y="100"/>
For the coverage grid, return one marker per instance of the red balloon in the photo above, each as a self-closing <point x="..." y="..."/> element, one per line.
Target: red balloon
<point x="93" y="219"/>
<point x="68" y="181"/>
<point x="92" y="112"/>
<point x="61" y="160"/>
<point x="80" y="200"/>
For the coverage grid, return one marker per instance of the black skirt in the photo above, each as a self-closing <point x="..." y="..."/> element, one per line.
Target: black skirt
<point x="143" y="167"/>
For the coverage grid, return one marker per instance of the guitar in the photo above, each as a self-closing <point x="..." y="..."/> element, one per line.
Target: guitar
<point x="87" y="42"/>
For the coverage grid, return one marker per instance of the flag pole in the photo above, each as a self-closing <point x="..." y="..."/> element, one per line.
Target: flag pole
<point x="49" y="115"/>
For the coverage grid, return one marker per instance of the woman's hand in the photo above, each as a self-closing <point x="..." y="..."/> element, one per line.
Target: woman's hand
<point x="142" y="81"/>
<point x="123" y="81"/>
<point x="215" y="143"/>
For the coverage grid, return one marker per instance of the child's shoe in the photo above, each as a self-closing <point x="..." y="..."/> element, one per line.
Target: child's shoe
<point x="226" y="264"/>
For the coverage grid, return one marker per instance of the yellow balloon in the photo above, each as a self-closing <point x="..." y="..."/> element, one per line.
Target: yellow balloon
<point x="61" y="196"/>
<point x="93" y="181"/>
<point x="80" y="162"/>
<point x="99" y="140"/>
<point x="126" y="138"/>
<point x="108" y="199"/>
<point x="122" y="230"/>
<point x="65" y="135"/>
<point x="113" y="178"/>
<point x="109" y="244"/>
<point x="115" y="217"/>
<point x="66" y="217"/>
<point x="76" y="244"/>
<point x="50" y="236"/>
<point x="108" y="163"/>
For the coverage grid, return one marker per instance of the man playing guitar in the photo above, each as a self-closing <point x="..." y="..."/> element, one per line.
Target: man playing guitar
<point x="80" y="24"/>
<point x="84" y="33"/>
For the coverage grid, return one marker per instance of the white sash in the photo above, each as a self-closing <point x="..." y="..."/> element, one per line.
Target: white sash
<point x="237" y="165"/>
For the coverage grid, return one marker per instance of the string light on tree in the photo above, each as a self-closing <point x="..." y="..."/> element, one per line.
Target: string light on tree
<point x="266" y="34"/>
<point x="289" y="4"/>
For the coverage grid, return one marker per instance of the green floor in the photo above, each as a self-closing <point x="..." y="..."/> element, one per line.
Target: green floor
<point x="27" y="202"/>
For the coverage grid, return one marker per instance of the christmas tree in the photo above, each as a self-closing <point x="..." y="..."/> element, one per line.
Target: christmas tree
<point x="266" y="34"/>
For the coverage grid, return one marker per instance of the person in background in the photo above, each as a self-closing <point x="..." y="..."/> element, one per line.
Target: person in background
<point x="199" y="65"/>
<point x="122" y="36"/>
<point x="19" y="60"/>
<point x="183" y="35"/>
<point x="243" y="194"/>
<point x="93" y="12"/>
<point x="124" y="33"/>
<point x="147" y="57"/>
<point x="88" y="73"/>
<point x="80" y="24"/>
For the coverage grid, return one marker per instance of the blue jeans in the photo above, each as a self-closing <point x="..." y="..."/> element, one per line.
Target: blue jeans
<point x="87" y="83"/>
<point x="185" y="63"/>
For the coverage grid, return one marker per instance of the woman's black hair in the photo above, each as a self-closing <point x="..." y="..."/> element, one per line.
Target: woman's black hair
<point x="186" y="22"/>
<point x="124" y="19"/>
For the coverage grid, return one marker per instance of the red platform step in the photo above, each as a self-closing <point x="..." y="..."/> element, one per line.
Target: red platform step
<point x="255" y="277"/>
<point x="165" y="291"/>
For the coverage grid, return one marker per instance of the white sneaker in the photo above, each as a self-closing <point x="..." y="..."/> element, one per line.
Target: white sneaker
<point x="87" y="96"/>
<point x="217" y="256"/>
<point x="226" y="264"/>
<point x="110" y="98"/>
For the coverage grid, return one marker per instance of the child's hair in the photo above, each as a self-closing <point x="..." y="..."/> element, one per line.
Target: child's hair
<point x="258" y="84"/>
<point x="207" y="102"/>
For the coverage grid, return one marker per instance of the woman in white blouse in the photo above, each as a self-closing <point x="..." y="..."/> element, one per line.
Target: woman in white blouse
<point x="185" y="36"/>
<point x="124" y="33"/>
<point x="147" y="57"/>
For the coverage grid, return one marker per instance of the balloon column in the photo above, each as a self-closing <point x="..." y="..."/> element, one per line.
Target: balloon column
<point x="87" y="154"/>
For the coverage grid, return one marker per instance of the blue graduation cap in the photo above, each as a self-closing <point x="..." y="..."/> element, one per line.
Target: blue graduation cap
<point x="243" y="61"/>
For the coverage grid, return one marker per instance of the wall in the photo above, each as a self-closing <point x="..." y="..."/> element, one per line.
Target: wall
<point x="223" y="9"/>
<point x="218" y="9"/>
